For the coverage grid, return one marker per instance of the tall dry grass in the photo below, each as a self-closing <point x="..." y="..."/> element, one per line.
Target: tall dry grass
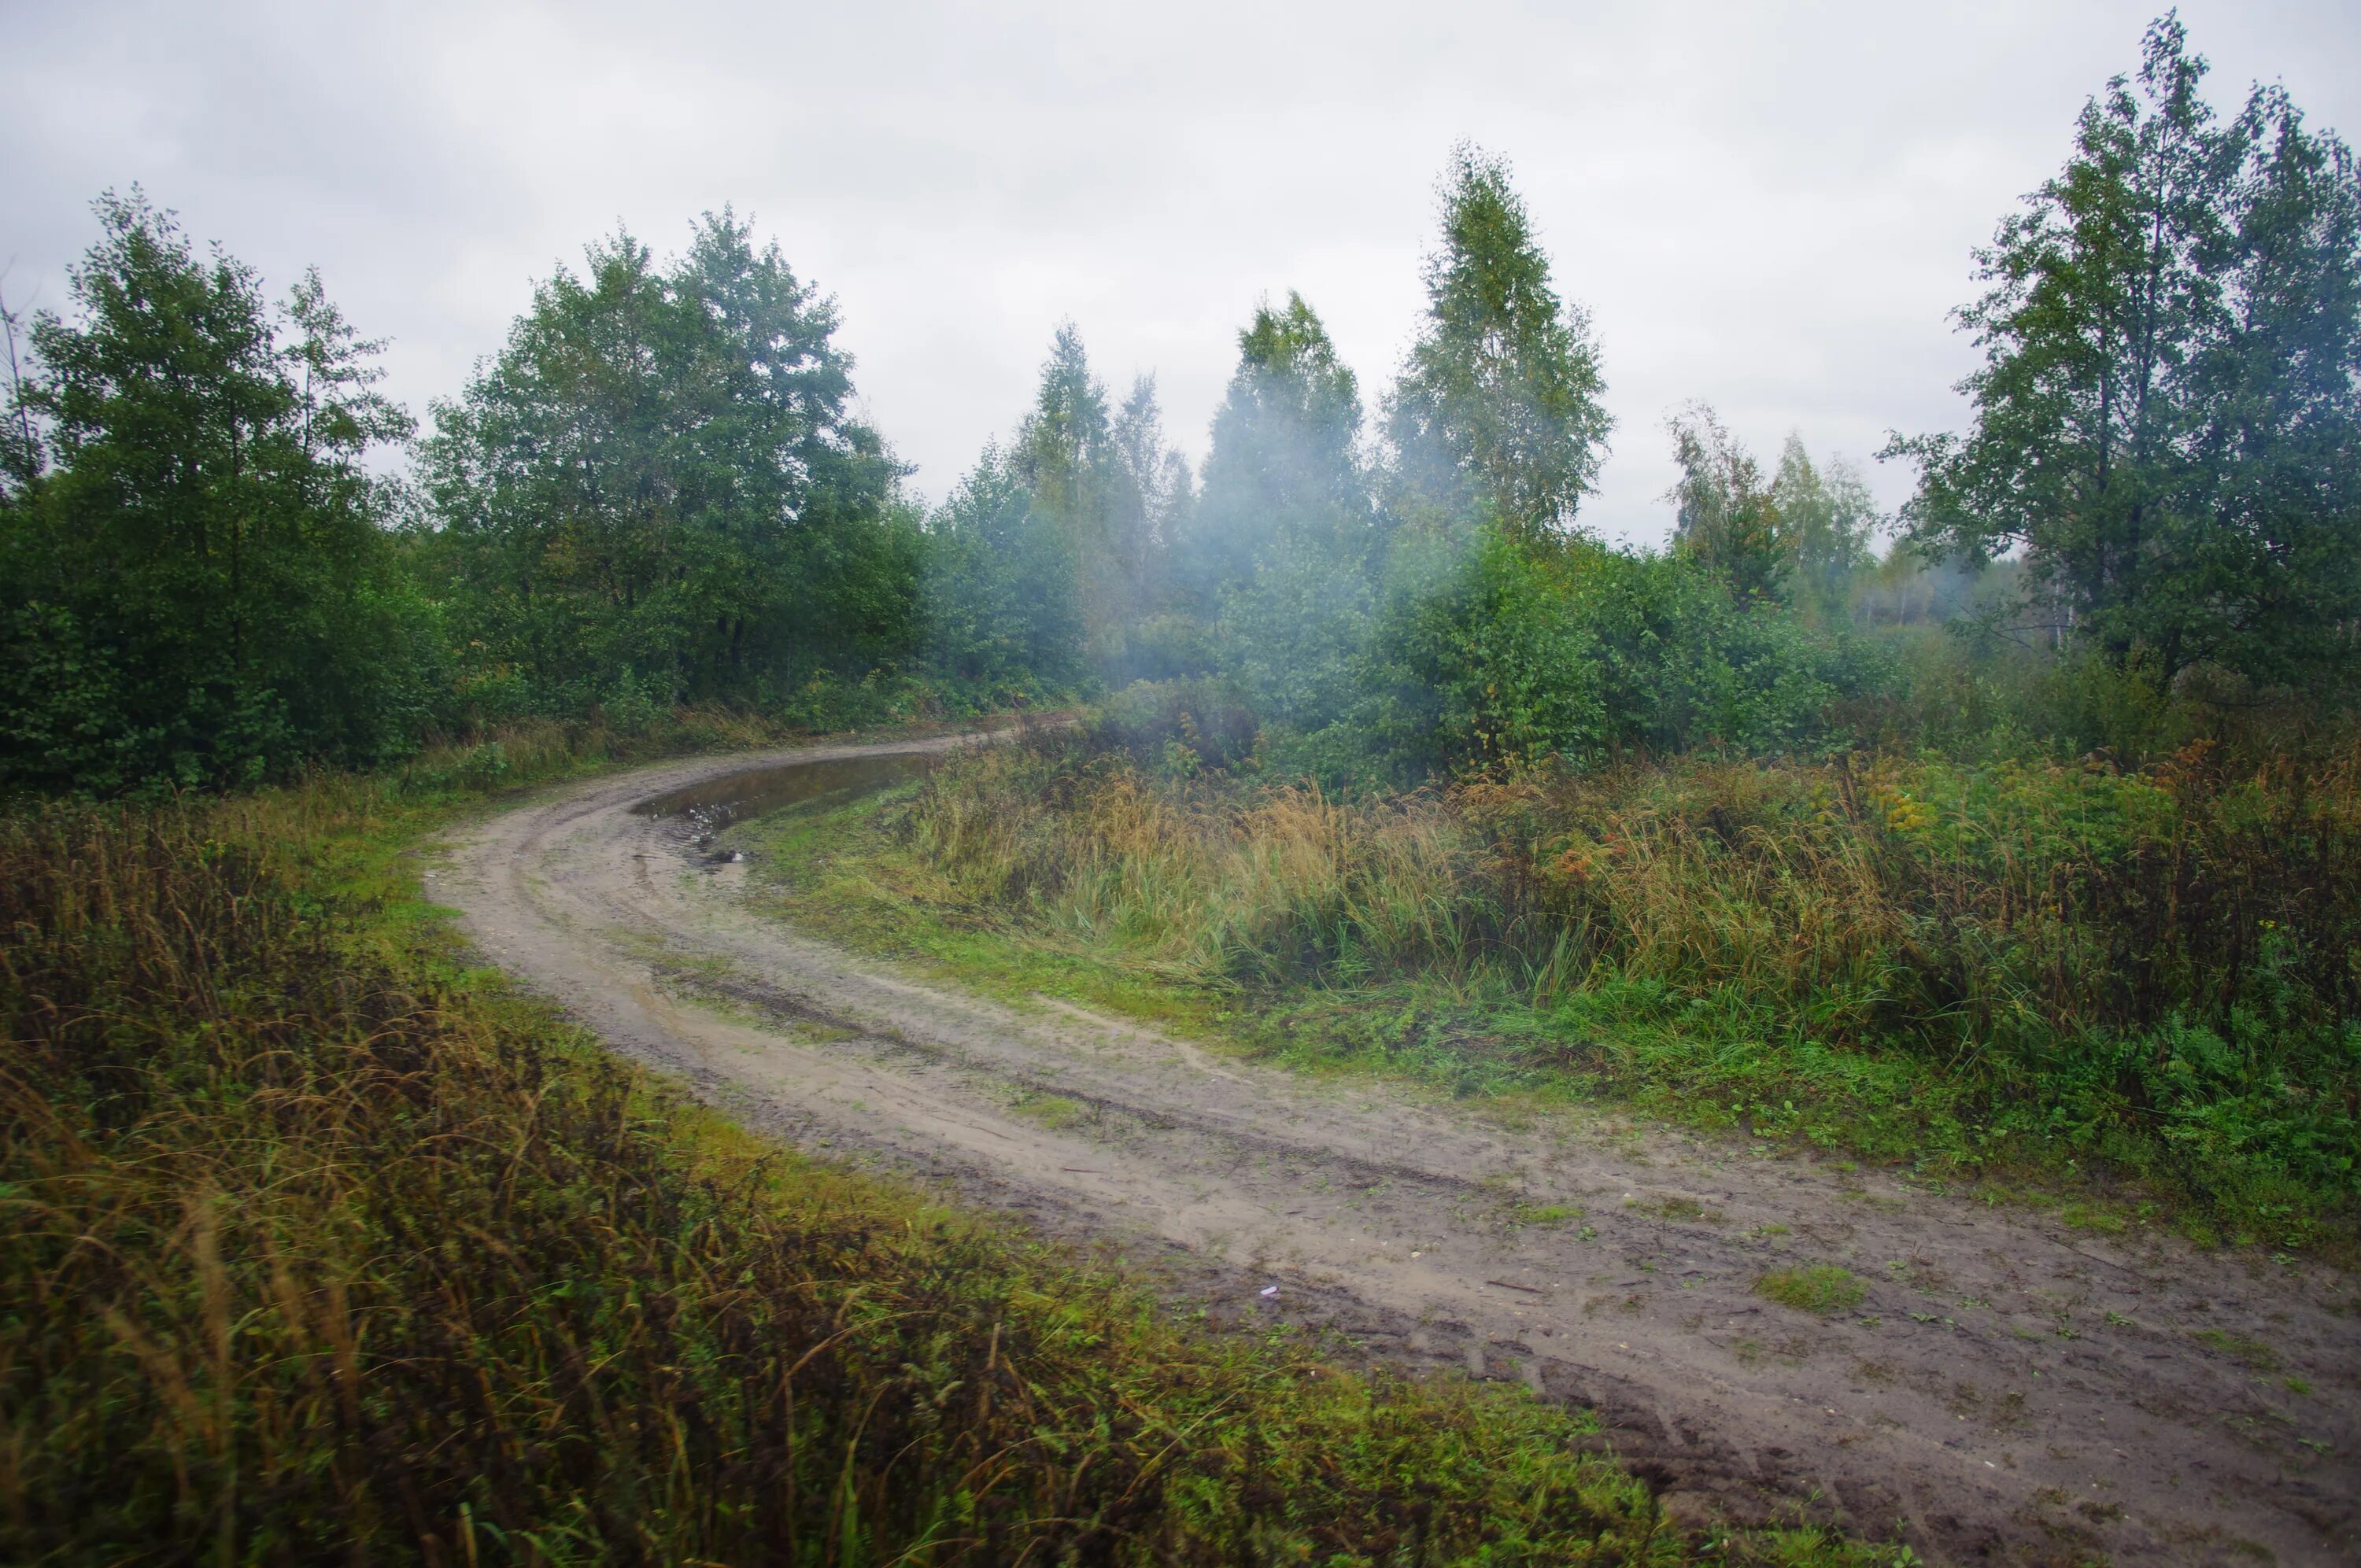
<point x="1987" y="906"/>
<point x="2160" y="966"/>
<point x="1206" y="883"/>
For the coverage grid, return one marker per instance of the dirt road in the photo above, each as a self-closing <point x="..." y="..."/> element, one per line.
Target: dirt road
<point x="2005" y="1389"/>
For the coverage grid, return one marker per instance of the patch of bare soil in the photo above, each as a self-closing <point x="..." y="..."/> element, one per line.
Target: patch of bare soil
<point x="2003" y="1390"/>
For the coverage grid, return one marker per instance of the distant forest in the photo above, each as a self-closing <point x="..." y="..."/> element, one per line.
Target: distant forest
<point x="657" y="494"/>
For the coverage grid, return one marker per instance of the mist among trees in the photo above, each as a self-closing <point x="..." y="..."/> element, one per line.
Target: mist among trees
<point x="655" y="493"/>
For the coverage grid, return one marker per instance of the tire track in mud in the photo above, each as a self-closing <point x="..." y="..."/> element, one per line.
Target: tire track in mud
<point x="2005" y="1390"/>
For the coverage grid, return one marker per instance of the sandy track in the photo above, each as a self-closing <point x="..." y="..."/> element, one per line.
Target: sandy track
<point x="2008" y="1389"/>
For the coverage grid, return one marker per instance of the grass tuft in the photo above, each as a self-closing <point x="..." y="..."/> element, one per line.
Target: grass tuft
<point x="1820" y="1288"/>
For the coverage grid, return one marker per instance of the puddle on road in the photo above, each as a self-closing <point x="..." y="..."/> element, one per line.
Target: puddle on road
<point x="712" y="804"/>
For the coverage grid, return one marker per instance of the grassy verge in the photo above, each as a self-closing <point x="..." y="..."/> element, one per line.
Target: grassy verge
<point x="322" y="1245"/>
<point x="2125" y="996"/>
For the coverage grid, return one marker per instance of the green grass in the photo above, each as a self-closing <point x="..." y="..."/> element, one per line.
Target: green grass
<point x="324" y="1244"/>
<point x="2248" y="1352"/>
<point x="1823" y="1289"/>
<point x="1052" y="1111"/>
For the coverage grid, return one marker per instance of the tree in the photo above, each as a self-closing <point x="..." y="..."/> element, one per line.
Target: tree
<point x="1110" y="482"/>
<point x="1286" y="538"/>
<point x="1284" y="458"/>
<point x="1499" y="406"/>
<point x="659" y="487"/>
<point x="1001" y="604"/>
<point x="1827" y="519"/>
<point x="1725" y="515"/>
<point x="2165" y="419"/>
<point x="199" y="588"/>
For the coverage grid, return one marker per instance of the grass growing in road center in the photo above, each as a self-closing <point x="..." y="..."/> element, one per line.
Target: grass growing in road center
<point x="1819" y="1288"/>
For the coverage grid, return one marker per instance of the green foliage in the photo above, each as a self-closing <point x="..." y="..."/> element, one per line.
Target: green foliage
<point x="2152" y="967"/>
<point x="198" y="588"/>
<point x="657" y="491"/>
<point x="1283" y="469"/>
<point x="1972" y="965"/>
<point x="2168" y="419"/>
<point x="1724" y="513"/>
<point x="1586" y="653"/>
<point x="1284" y="544"/>
<point x="1498" y="412"/>
<point x="1109" y="488"/>
<point x="1825" y="522"/>
<point x="1002" y="601"/>
<point x="1801" y="537"/>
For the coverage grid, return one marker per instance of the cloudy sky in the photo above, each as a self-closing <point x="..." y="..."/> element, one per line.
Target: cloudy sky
<point x="1767" y="206"/>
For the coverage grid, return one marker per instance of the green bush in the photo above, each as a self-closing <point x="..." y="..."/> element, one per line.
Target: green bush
<point x="1587" y="653"/>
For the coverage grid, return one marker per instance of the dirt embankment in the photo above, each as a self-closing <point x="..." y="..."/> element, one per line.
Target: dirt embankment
<point x="2003" y="1389"/>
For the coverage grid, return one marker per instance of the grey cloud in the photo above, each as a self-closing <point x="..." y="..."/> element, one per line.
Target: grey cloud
<point x="1767" y="206"/>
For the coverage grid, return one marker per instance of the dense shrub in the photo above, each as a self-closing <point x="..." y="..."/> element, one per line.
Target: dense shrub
<point x="2168" y="953"/>
<point x="1586" y="654"/>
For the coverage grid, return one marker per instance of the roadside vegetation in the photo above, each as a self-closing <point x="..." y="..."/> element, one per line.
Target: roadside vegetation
<point x="322" y="1246"/>
<point x="2031" y="849"/>
<point x="2025" y="968"/>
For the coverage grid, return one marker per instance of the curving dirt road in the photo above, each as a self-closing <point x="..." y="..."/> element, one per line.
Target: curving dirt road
<point x="2005" y="1390"/>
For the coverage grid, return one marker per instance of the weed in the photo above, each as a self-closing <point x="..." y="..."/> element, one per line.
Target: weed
<point x="1052" y="1111"/>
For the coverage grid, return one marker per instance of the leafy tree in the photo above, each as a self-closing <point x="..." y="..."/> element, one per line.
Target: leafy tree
<point x="1801" y="536"/>
<point x="1002" y="605"/>
<point x="1498" y="408"/>
<point x="1107" y="478"/>
<point x="1286" y="540"/>
<point x="2165" y="419"/>
<point x="198" y="586"/>
<point x="1725" y="515"/>
<point x="659" y="488"/>
<point x="1827" y="521"/>
<point x="1156" y="488"/>
<point x="1285" y="456"/>
<point x="1586" y="653"/>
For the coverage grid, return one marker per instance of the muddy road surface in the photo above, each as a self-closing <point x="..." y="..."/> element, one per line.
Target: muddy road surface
<point x="2004" y="1389"/>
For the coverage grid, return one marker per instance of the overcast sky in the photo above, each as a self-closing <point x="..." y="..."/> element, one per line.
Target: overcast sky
<point x="1767" y="206"/>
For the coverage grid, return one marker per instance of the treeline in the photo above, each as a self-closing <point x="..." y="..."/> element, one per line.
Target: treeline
<point x="657" y="493"/>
